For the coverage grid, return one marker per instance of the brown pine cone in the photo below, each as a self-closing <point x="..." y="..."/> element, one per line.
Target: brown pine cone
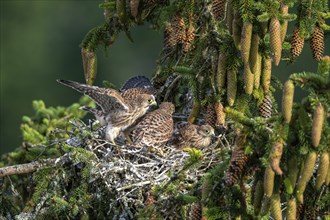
<point x="195" y="211"/>
<point x="218" y="9"/>
<point x="317" y="42"/>
<point x="169" y="39"/>
<point x="266" y="107"/>
<point x="237" y="164"/>
<point x="190" y="36"/>
<point x="210" y="116"/>
<point x="297" y="43"/>
<point x="178" y="26"/>
<point x="134" y="4"/>
<point x="300" y="211"/>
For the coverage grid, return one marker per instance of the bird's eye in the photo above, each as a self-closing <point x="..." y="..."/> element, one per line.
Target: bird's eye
<point x="207" y="131"/>
<point x="150" y="100"/>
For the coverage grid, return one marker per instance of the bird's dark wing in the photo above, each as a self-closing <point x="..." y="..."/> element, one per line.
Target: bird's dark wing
<point x="107" y="99"/>
<point x="138" y="82"/>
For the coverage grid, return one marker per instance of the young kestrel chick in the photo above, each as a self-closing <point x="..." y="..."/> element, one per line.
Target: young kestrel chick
<point x="132" y="87"/>
<point x="190" y="135"/>
<point x="119" y="112"/>
<point x="156" y="128"/>
<point x="128" y="95"/>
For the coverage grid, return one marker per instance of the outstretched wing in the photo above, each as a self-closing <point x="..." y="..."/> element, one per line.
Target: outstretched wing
<point x="107" y="99"/>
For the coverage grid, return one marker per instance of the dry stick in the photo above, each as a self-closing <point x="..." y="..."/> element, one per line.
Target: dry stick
<point x="33" y="166"/>
<point x="133" y="185"/>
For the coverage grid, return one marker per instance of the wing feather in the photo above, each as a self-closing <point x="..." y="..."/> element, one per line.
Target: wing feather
<point x="106" y="98"/>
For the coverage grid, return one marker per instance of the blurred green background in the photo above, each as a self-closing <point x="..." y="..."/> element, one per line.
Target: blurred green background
<point x="40" y="43"/>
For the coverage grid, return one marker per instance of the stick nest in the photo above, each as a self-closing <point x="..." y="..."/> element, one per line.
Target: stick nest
<point x="124" y="177"/>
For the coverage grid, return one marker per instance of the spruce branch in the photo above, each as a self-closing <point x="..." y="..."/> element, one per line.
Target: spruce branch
<point x="33" y="166"/>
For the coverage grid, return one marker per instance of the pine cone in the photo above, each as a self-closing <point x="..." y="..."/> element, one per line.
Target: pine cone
<point x="248" y="79"/>
<point x="190" y="36"/>
<point x="231" y="86"/>
<point x="218" y="9"/>
<point x="322" y="170"/>
<point x="275" y="206"/>
<point x="134" y="4"/>
<point x="230" y="16"/>
<point x="297" y="43"/>
<point x="254" y="52"/>
<point x="293" y="170"/>
<point x="269" y="181"/>
<point x="195" y="212"/>
<point x="275" y="157"/>
<point x="306" y="175"/>
<point x="178" y="26"/>
<point x="284" y="11"/>
<point x="255" y="60"/>
<point x="310" y="213"/>
<point x="275" y="40"/>
<point x="210" y="117"/>
<point x="300" y="211"/>
<point x="238" y="162"/>
<point x="291" y="211"/>
<point x="246" y="38"/>
<point x="237" y="29"/>
<point x="169" y="39"/>
<point x="287" y="100"/>
<point x="266" y="107"/>
<point x="266" y="73"/>
<point x="317" y="42"/>
<point x="89" y="59"/>
<point x="220" y="114"/>
<point x="221" y="72"/>
<point x="258" y="195"/>
<point x="318" y="119"/>
<point x="327" y="178"/>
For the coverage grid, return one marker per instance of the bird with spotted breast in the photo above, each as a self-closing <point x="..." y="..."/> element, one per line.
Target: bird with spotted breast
<point x="191" y="135"/>
<point x="155" y="128"/>
<point x="119" y="112"/>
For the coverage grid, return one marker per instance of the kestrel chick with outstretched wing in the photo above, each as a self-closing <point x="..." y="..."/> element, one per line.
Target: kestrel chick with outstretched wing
<point x="119" y="112"/>
<point x="191" y="135"/>
<point x="128" y="95"/>
<point x="156" y="128"/>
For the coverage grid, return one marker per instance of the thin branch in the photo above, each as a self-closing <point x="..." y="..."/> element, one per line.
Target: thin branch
<point x="32" y="166"/>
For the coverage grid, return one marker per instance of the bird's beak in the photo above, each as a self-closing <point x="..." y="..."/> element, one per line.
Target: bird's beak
<point x="154" y="103"/>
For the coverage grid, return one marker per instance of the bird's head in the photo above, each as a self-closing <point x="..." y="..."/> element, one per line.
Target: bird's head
<point x="146" y="100"/>
<point x="206" y="131"/>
